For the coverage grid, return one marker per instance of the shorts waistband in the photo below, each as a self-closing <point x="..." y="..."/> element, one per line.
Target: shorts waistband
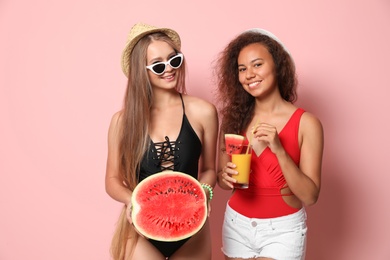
<point x="295" y="217"/>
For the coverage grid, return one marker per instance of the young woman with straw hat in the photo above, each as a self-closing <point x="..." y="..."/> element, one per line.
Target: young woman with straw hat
<point x="157" y="112"/>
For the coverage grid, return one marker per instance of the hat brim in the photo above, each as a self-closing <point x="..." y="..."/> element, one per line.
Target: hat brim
<point x="173" y="35"/>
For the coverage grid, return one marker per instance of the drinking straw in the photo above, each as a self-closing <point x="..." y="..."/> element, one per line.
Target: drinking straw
<point x="251" y="136"/>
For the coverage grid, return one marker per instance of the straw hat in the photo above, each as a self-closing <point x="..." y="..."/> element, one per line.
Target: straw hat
<point x="138" y="31"/>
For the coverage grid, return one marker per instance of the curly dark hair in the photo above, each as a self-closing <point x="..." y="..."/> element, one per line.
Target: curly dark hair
<point x="236" y="106"/>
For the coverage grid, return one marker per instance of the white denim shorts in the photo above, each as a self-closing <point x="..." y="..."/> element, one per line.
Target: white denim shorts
<point x="281" y="238"/>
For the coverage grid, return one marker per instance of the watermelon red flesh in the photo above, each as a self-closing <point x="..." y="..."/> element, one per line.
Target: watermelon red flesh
<point x="233" y="143"/>
<point x="169" y="206"/>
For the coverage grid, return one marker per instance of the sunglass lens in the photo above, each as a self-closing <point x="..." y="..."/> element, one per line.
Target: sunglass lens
<point x="159" y="68"/>
<point x="175" y="62"/>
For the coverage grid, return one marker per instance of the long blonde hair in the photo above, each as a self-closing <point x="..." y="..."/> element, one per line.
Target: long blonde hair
<point x="135" y="131"/>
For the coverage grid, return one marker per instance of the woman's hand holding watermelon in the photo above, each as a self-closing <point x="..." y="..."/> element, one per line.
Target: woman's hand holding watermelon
<point x="208" y="204"/>
<point x="209" y="195"/>
<point x="129" y="208"/>
<point x="208" y="207"/>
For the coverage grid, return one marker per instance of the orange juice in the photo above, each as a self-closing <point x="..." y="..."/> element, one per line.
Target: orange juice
<point x="243" y="163"/>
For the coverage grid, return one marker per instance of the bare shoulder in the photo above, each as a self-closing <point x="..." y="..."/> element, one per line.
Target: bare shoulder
<point x="311" y="124"/>
<point x="116" y="122"/>
<point x="195" y="105"/>
<point x="201" y="114"/>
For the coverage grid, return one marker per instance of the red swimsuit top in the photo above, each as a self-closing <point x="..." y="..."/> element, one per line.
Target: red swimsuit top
<point x="263" y="198"/>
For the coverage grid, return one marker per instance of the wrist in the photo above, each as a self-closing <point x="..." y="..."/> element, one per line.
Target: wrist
<point x="281" y="153"/>
<point x="208" y="190"/>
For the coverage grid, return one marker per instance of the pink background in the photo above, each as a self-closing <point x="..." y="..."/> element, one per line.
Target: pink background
<point x="60" y="82"/>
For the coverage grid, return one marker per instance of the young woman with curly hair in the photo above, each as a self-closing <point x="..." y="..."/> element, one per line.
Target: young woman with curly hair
<point x="256" y="91"/>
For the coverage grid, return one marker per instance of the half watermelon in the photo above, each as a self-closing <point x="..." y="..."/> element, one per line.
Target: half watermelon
<point x="169" y="206"/>
<point x="233" y="143"/>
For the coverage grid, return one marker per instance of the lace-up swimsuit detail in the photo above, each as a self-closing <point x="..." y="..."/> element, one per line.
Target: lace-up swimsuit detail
<point x="166" y="154"/>
<point x="181" y="155"/>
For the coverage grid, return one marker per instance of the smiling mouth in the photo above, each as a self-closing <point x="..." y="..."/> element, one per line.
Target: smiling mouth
<point x="254" y="84"/>
<point x="170" y="76"/>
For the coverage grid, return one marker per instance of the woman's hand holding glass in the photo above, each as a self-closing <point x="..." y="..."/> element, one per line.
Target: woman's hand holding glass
<point x="227" y="173"/>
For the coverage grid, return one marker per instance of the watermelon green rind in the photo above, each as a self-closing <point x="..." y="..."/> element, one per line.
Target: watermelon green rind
<point x="169" y="206"/>
<point x="233" y="143"/>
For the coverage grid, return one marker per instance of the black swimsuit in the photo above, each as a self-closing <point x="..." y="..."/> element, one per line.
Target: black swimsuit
<point x="181" y="155"/>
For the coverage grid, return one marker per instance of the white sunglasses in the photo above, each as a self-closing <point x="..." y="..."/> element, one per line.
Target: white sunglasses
<point x="160" y="67"/>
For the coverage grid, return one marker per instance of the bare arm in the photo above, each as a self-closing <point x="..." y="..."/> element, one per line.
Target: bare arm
<point x="115" y="186"/>
<point x="204" y="119"/>
<point x="210" y="132"/>
<point x="305" y="180"/>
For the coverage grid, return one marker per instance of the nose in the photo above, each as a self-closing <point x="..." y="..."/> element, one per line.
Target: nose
<point x="168" y="67"/>
<point x="249" y="73"/>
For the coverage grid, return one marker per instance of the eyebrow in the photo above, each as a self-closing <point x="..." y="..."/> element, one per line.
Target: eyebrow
<point x="157" y="59"/>
<point x="252" y="61"/>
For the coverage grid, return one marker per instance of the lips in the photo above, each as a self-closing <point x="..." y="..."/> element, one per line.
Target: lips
<point x="169" y="77"/>
<point x="254" y="84"/>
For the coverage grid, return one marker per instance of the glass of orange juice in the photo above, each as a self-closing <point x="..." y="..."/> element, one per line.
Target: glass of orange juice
<point x="242" y="160"/>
